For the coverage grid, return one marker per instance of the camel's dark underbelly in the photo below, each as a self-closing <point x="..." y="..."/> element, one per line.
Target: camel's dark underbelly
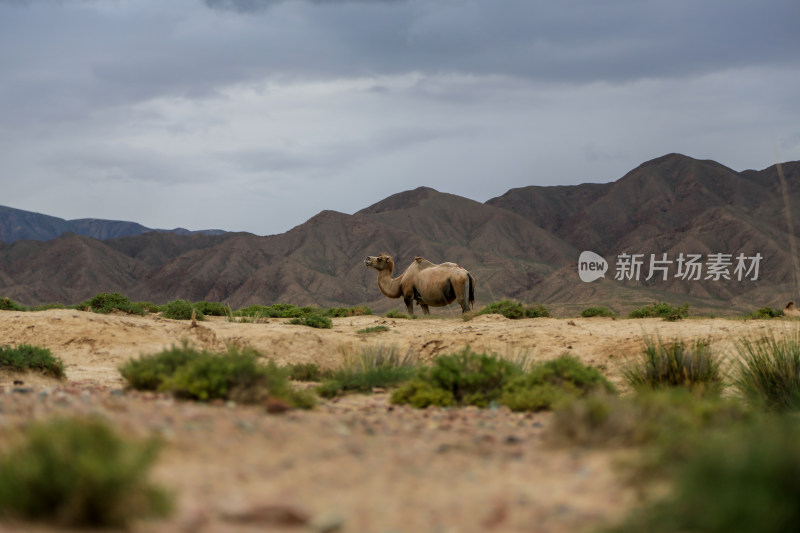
<point x="447" y="296"/>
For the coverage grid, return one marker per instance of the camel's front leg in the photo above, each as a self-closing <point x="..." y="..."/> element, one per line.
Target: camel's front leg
<point x="425" y="310"/>
<point x="409" y="305"/>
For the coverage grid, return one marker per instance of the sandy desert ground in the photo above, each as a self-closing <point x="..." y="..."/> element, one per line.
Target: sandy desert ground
<point x="357" y="464"/>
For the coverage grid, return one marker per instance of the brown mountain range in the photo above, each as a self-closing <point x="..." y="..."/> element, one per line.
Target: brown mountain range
<point x="524" y="245"/>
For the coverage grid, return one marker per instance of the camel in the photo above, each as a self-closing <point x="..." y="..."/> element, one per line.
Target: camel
<point x="791" y="310"/>
<point x="428" y="284"/>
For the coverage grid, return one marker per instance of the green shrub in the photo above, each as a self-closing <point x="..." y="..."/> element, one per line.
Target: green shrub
<point x="515" y="310"/>
<point x="25" y="357"/>
<point x="313" y="321"/>
<point x="343" y="312"/>
<point x="211" y="308"/>
<point x="372" y="367"/>
<point x="149" y="372"/>
<point x="538" y="398"/>
<point x="765" y="313"/>
<point x="550" y="382"/>
<point x="675" y="364"/>
<point x="468" y="377"/>
<point x="106" y="302"/>
<point x="746" y="480"/>
<point x="234" y="375"/>
<point x="597" y="311"/>
<point x="79" y="473"/>
<point x="396" y="314"/>
<point x="661" y="310"/>
<point x="768" y="371"/>
<point x="7" y="304"/>
<point x="149" y="307"/>
<point x="421" y="394"/>
<point x="181" y="310"/>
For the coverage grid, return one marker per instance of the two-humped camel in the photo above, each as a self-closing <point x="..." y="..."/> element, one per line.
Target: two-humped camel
<point x="423" y="282"/>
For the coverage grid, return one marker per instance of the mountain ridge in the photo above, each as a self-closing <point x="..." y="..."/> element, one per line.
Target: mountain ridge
<point x="17" y="224"/>
<point x="523" y="244"/>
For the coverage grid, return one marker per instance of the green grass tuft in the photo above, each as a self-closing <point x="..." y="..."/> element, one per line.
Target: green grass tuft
<point x="372" y="329"/>
<point x="675" y="364"/>
<point x="768" y="371"/>
<point x="313" y="321"/>
<point x="372" y="367"/>
<point x="25" y="358"/>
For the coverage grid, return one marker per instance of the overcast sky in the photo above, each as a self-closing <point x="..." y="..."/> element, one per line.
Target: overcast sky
<point x="254" y="115"/>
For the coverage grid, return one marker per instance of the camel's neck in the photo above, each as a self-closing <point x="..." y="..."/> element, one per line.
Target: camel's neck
<point x="389" y="286"/>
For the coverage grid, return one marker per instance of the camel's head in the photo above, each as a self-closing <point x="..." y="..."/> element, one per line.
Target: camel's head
<point x="379" y="262"/>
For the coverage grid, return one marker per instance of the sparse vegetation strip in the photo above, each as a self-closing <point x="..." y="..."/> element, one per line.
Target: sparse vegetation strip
<point x="661" y="310"/>
<point x="515" y="310"/>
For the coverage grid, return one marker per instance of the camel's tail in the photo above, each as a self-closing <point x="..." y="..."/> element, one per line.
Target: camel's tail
<point x="471" y="290"/>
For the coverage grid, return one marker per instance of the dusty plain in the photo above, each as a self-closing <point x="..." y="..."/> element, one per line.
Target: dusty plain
<point x="356" y="464"/>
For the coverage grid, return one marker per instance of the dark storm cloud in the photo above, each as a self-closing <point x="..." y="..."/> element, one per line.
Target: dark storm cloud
<point x="566" y="41"/>
<point x="83" y="54"/>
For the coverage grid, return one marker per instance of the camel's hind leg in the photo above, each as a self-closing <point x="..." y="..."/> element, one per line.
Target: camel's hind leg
<point x="464" y="294"/>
